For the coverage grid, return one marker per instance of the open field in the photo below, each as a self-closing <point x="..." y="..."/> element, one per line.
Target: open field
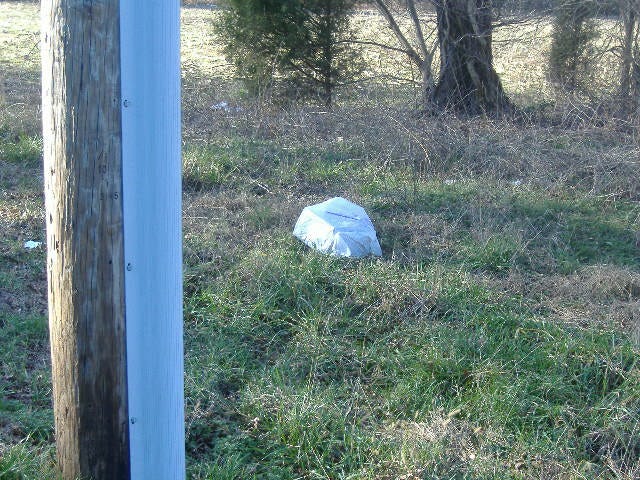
<point x="498" y="336"/>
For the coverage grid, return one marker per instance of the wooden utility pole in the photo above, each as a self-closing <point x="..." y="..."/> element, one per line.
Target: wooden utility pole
<point x="111" y="128"/>
<point x="83" y="195"/>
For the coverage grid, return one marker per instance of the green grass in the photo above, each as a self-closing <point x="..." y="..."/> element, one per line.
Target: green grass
<point x="20" y="148"/>
<point x="305" y="366"/>
<point x="26" y="416"/>
<point x="310" y="361"/>
<point x="329" y="368"/>
<point x="23" y="461"/>
<point x="300" y="365"/>
<point x="25" y="394"/>
<point x="494" y="339"/>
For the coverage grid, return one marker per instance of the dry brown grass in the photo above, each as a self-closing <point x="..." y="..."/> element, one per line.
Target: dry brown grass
<point x="604" y="295"/>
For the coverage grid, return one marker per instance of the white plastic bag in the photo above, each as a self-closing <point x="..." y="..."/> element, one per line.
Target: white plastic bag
<point x="338" y="227"/>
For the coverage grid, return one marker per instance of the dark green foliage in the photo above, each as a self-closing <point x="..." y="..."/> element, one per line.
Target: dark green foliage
<point x="574" y="31"/>
<point x="305" y="44"/>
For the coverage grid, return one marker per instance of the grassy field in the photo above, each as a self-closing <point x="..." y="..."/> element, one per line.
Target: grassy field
<point x="498" y="336"/>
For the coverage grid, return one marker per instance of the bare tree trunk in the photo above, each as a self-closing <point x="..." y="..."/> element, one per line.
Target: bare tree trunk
<point x="427" y="54"/>
<point x="628" y="70"/>
<point x="83" y="193"/>
<point x="326" y="64"/>
<point x="424" y="59"/>
<point x="467" y="82"/>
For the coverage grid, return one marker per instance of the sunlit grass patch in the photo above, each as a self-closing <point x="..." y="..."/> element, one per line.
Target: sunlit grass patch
<point x="24" y="461"/>
<point x="25" y="360"/>
<point x="20" y="35"/>
<point x="20" y="149"/>
<point x="208" y="167"/>
<point x="498" y="252"/>
<point x="323" y="354"/>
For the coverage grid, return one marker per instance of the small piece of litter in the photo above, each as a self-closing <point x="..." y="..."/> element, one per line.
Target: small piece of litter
<point x="449" y="181"/>
<point x="453" y="413"/>
<point x="221" y="106"/>
<point x="515" y="183"/>
<point x="225" y="107"/>
<point x="31" y="244"/>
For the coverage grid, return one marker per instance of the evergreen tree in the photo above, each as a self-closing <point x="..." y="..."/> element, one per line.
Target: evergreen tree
<point x="304" y="43"/>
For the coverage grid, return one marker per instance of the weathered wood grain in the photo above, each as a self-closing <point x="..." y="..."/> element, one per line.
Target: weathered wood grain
<point x="83" y="196"/>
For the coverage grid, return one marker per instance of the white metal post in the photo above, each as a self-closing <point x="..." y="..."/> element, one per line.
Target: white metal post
<point x="151" y="151"/>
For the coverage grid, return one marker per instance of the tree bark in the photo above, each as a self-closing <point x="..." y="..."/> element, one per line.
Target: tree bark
<point x="427" y="54"/>
<point x="467" y="82"/>
<point x="628" y="74"/>
<point x="85" y="259"/>
<point x="422" y="60"/>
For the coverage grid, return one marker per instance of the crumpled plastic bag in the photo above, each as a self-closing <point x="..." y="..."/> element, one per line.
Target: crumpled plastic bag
<point x="338" y="227"/>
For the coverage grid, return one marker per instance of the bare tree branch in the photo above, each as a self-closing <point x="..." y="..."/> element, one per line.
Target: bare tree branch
<point x="377" y="44"/>
<point x="413" y="55"/>
<point x="411" y="6"/>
